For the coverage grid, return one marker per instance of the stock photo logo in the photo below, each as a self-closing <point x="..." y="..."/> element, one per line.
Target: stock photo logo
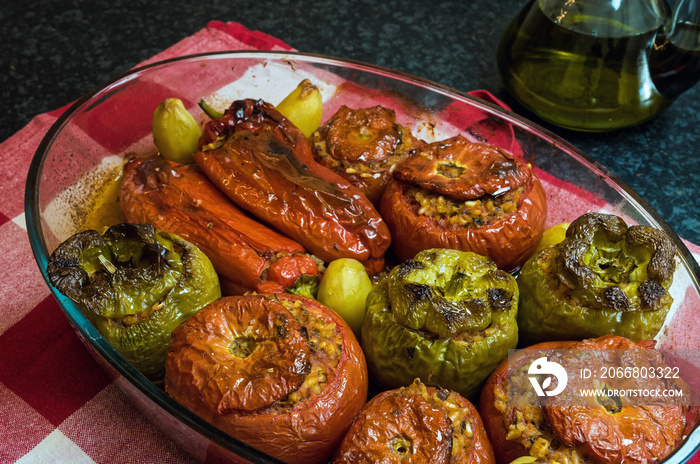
<point x="541" y="367"/>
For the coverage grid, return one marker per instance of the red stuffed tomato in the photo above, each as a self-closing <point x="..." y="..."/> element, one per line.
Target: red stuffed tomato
<point x="498" y="416"/>
<point x="417" y="424"/>
<point x="282" y="373"/>
<point x="605" y="430"/>
<point x="363" y="146"/>
<point x="466" y="196"/>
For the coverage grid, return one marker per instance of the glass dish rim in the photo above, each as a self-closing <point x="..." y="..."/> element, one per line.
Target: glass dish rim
<point x="159" y="397"/>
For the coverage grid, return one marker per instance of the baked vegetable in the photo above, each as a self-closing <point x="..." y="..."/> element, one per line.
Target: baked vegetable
<point x="265" y="165"/>
<point x="552" y="236"/>
<point x="135" y="284"/>
<point x="604" y="277"/>
<point x="282" y="373"/>
<point x="467" y="196"/>
<point x="303" y="107"/>
<point x="175" y="131"/>
<point x="605" y="430"/>
<point x="344" y="289"/>
<point x="180" y="199"/>
<point x="445" y="316"/>
<point x="363" y="145"/>
<point x="416" y="424"/>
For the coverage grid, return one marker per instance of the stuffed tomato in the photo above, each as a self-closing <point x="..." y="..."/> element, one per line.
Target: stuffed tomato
<point x="467" y="196"/>
<point x="568" y="429"/>
<point x="417" y="424"/>
<point x="445" y="316"/>
<point x="363" y="146"/>
<point x="279" y="372"/>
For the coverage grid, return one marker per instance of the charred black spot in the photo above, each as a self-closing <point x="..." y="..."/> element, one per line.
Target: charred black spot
<point x="442" y="394"/>
<point x="499" y="299"/>
<point x="409" y="266"/>
<point x="418" y="293"/>
<point x="68" y="280"/>
<point x="616" y="299"/>
<point x="411" y="351"/>
<point x="651" y="293"/>
<point x="571" y="270"/>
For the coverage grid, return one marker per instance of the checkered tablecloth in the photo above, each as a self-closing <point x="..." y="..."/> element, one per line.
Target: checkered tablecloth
<point x="57" y="405"/>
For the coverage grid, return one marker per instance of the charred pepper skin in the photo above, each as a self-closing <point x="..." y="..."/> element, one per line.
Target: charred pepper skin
<point x="265" y="165"/>
<point x="135" y="284"/>
<point x="603" y="278"/>
<point x="446" y="316"/>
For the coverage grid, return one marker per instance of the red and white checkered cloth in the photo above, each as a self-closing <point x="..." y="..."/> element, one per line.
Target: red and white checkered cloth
<point x="57" y="405"/>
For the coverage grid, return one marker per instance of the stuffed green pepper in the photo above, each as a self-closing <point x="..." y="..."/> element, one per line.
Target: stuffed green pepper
<point x="603" y="278"/>
<point x="446" y="316"/>
<point x="135" y="284"/>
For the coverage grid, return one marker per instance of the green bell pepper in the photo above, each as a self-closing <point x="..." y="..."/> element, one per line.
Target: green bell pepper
<point x="135" y="284"/>
<point x="603" y="278"/>
<point x="447" y="317"/>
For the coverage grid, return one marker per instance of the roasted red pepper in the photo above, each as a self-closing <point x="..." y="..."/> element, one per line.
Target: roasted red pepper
<point x="179" y="199"/>
<point x="466" y="196"/>
<point x="265" y="165"/>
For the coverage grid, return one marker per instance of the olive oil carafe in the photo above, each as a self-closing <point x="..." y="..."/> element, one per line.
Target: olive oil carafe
<point x="600" y="65"/>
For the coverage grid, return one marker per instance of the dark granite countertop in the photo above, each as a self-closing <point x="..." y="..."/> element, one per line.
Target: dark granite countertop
<point x="56" y="50"/>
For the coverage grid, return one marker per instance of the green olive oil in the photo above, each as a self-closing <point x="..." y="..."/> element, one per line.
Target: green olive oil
<point x="579" y="71"/>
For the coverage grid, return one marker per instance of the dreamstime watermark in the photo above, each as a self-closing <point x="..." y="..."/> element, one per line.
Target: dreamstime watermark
<point x="609" y="378"/>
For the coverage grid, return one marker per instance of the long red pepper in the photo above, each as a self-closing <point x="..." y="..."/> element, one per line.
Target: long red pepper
<point x="179" y="199"/>
<point x="265" y="165"/>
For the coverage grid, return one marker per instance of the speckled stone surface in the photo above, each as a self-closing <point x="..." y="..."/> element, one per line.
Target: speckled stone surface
<point x="54" y="51"/>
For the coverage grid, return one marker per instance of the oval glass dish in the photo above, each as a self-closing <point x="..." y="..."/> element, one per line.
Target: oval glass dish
<point x="76" y="161"/>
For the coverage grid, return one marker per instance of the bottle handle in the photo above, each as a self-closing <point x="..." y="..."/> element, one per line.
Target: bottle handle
<point x="674" y="61"/>
<point x="684" y="26"/>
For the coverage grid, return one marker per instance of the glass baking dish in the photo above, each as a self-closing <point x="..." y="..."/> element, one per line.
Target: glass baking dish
<point x="90" y="140"/>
